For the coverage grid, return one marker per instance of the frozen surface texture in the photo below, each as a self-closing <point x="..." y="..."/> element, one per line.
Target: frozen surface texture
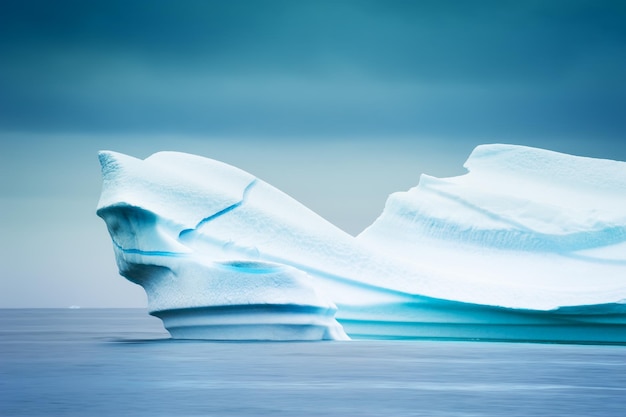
<point x="529" y="245"/>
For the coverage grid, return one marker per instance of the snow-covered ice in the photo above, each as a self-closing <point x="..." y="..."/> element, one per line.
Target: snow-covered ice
<point x="528" y="245"/>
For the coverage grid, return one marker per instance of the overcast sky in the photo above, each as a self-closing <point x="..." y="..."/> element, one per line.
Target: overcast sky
<point x="338" y="103"/>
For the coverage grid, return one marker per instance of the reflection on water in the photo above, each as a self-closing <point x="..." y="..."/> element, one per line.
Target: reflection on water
<point x="121" y="362"/>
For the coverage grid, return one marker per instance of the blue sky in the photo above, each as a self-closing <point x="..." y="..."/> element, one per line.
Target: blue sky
<point x="338" y="103"/>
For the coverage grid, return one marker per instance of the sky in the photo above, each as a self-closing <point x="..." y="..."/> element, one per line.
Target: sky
<point x="337" y="103"/>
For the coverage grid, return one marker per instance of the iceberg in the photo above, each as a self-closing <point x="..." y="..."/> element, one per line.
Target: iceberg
<point x="529" y="245"/>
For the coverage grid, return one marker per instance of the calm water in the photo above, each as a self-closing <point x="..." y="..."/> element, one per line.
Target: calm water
<point x="121" y="363"/>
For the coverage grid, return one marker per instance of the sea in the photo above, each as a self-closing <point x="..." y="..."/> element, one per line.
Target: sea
<point x="121" y="362"/>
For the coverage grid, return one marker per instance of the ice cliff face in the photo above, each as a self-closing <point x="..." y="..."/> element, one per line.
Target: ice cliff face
<point x="529" y="245"/>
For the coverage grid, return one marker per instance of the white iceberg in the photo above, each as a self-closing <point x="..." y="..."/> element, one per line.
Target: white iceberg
<point x="530" y="245"/>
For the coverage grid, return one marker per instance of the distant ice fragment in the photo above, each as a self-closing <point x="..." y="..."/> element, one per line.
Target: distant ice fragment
<point x="529" y="245"/>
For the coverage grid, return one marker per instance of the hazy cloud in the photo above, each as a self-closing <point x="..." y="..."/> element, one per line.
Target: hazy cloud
<point x="285" y="68"/>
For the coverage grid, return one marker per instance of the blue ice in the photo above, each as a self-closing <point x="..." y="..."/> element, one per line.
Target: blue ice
<point x="528" y="245"/>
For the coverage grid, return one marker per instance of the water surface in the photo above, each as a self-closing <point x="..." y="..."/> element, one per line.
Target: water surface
<point x="121" y="362"/>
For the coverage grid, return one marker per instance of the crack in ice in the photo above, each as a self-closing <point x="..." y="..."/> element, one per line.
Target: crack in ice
<point x="148" y="252"/>
<point x="221" y="212"/>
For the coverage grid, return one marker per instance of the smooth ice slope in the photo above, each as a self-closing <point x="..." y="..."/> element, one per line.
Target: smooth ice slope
<point x="527" y="217"/>
<point x="519" y="198"/>
<point x="528" y="246"/>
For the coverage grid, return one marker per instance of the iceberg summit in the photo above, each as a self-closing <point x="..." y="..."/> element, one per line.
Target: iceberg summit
<point x="529" y="245"/>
